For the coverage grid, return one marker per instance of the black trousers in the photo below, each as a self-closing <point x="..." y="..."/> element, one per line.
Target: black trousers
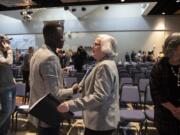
<point x="48" y="131"/>
<point x="5" y="127"/>
<point x="94" y="132"/>
<point x="168" y="128"/>
<point x="26" y="81"/>
<point x="166" y="123"/>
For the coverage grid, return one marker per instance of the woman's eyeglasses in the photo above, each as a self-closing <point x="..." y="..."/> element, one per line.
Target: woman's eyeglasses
<point x="96" y="45"/>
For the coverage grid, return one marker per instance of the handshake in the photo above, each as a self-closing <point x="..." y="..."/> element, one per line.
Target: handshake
<point x="64" y="107"/>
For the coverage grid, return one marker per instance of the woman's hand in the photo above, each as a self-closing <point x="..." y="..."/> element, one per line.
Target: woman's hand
<point x="63" y="107"/>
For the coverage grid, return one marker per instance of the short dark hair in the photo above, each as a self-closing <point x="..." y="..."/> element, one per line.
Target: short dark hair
<point x="170" y="44"/>
<point x="50" y="30"/>
<point x="50" y="27"/>
<point x="30" y="49"/>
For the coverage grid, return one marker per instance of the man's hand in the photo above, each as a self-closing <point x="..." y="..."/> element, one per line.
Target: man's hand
<point x="76" y="88"/>
<point x="63" y="107"/>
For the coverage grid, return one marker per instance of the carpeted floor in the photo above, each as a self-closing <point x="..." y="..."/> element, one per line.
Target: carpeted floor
<point x="24" y="128"/>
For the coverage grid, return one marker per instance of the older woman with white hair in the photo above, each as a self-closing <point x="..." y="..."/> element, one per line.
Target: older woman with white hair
<point x="165" y="87"/>
<point x="100" y="90"/>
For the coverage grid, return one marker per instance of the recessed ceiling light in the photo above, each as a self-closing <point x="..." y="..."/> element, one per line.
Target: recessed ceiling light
<point x="163" y="13"/>
<point x="177" y="1"/>
<point x="66" y="8"/>
<point x="83" y="9"/>
<point x="73" y="9"/>
<point x="106" y="7"/>
<point x="122" y="0"/>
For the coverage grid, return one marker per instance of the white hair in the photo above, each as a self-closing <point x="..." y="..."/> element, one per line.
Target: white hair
<point x="108" y="45"/>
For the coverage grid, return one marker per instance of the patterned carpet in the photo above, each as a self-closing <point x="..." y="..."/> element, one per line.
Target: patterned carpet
<point x="24" y="128"/>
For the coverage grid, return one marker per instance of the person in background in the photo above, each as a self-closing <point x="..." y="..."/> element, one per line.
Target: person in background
<point x="45" y="73"/>
<point x="62" y="57"/>
<point x="160" y="55"/>
<point x="69" y="54"/>
<point x="144" y="56"/>
<point x="127" y="57"/>
<point x="80" y="58"/>
<point x="7" y="85"/>
<point x="26" y="68"/>
<point x="150" y="57"/>
<point x="100" y="90"/>
<point x="133" y="56"/>
<point x="165" y="87"/>
<point x="18" y="57"/>
<point x="139" y="56"/>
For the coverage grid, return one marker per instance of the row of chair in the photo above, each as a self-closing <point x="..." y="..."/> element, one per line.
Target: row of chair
<point x="132" y="109"/>
<point x="141" y="96"/>
<point x="142" y="83"/>
<point x="135" y="72"/>
<point x="127" y="88"/>
<point x="21" y="107"/>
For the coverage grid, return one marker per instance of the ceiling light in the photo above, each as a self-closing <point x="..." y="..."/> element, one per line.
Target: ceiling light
<point x="29" y="12"/>
<point x="83" y="9"/>
<point x="163" y="13"/>
<point x="66" y="8"/>
<point x="177" y="1"/>
<point x="106" y="7"/>
<point x="122" y="0"/>
<point x="73" y="9"/>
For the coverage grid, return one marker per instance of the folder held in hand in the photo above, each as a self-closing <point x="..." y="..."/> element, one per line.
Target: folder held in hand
<point x="45" y="109"/>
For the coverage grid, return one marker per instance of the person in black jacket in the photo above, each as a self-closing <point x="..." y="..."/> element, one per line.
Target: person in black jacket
<point x="165" y="88"/>
<point x="80" y="58"/>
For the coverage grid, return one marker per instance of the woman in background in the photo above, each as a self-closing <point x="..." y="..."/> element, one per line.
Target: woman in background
<point x="165" y="88"/>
